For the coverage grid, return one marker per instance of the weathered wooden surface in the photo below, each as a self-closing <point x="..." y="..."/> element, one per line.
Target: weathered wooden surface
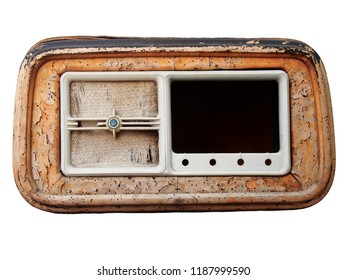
<point x="37" y="147"/>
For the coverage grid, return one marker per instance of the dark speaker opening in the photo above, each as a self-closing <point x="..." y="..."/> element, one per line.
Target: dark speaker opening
<point x="214" y="116"/>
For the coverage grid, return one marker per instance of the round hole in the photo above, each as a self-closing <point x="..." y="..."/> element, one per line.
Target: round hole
<point x="240" y="161"/>
<point x="185" y="162"/>
<point x="212" y="162"/>
<point x="268" y="162"/>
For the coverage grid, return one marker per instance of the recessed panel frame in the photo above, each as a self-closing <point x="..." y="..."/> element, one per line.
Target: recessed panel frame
<point x="171" y="163"/>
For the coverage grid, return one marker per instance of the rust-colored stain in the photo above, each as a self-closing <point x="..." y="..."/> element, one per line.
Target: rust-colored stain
<point x="36" y="148"/>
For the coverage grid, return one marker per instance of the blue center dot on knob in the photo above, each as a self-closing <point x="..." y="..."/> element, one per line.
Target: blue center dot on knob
<point x="113" y="123"/>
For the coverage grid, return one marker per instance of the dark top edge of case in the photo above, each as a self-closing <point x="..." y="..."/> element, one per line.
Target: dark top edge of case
<point x="289" y="46"/>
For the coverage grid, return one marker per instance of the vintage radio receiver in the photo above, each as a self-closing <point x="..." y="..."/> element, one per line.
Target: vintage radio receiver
<point x="170" y="124"/>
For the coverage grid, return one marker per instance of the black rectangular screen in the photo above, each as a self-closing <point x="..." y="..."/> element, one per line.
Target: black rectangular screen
<point x="214" y="116"/>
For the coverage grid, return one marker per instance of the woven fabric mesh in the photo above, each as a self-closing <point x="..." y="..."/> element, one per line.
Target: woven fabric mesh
<point x="99" y="148"/>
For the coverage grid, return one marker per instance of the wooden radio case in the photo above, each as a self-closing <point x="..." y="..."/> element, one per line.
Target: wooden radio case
<point x="106" y="124"/>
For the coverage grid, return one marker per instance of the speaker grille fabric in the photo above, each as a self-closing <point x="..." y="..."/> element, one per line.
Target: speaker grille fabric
<point x="99" y="148"/>
<point x="129" y="99"/>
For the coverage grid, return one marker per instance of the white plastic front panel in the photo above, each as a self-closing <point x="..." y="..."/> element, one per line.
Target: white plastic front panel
<point x="171" y="163"/>
<point x="66" y="163"/>
<point x="227" y="163"/>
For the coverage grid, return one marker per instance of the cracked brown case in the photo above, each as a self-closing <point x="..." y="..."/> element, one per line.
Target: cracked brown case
<point x="36" y="140"/>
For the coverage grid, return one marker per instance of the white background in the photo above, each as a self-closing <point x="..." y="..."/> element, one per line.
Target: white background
<point x="301" y="244"/>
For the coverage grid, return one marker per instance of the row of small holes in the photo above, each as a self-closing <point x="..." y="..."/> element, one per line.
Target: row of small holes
<point x="240" y="162"/>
